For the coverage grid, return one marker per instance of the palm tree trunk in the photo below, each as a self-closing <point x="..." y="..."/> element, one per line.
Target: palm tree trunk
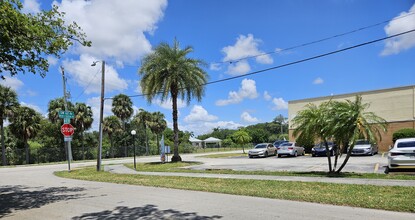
<point x="27" y="150"/>
<point x="328" y="155"/>
<point x="158" y="144"/>
<point x="349" y="153"/>
<point x="3" y="146"/>
<point x="176" y="157"/>
<point x="145" y="133"/>
<point x="82" y="142"/>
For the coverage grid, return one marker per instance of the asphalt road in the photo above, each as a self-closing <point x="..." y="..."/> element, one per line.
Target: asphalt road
<point x="35" y="193"/>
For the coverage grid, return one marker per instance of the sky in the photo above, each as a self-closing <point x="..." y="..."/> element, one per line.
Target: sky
<point x="224" y="33"/>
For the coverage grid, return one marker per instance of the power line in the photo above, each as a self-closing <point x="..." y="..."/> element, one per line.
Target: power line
<point x="89" y="83"/>
<point x="298" y="61"/>
<point x="316" y="41"/>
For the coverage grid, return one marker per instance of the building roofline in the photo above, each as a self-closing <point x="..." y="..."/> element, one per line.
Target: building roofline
<point x="350" y="94"/>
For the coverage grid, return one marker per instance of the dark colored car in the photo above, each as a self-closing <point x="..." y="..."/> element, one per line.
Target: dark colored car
<point x="320" y="149"/>
<point x="279" y="142"/>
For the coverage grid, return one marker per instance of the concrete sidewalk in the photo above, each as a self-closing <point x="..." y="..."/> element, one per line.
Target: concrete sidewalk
<point x="121" y="169"/>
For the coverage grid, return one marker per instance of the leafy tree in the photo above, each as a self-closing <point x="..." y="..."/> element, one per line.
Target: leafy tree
<point x="403" y="133"/>
<point x="241" y="137"/>
<point x="122" y="107"/>
<point x="25" y="123"/>
<point x="157" y="125"/>
<point x="169" y="73"/>
<point x="350" y="121"/>
<point x="27" y="39"/>
<point x="83" y="121"/>
<point x="280" y="119"/>
<point x="8" y="104"/>
<point x="258" y="135"/>
<point x="112" y="125"/>
<point x="143" y="118"/>
<point x="345" y="122"/>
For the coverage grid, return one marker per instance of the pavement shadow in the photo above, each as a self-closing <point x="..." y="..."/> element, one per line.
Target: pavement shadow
<point x="145" y="212"/>
<point x="14" y="198"/>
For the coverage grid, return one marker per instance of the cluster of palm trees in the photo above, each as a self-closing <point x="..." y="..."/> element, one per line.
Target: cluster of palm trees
<point x="341" y="121"/>
<point x="167" y="74"/>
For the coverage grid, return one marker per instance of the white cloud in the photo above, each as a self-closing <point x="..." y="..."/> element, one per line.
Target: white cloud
<point x="245" y="46"/>
<point x="207" y="127"/>
<point x="238" y="68"/>
<point x="95" y="105"/>
<point x="279" y="104"/>
<point x="318" y="81"/>
<point x="199" y="114"/>
<point x="169" y="104"/>
<point x="215" y="66"/>
<point x="267" y="96"/>
<point x="35" y="107"/>
<point x="31" y="6"/>
<point x="247" y="90"/>
<point x="246" y="117"/>
<point x="116" y="28"/>
<point x="138" y="87"/>
<point x="11" y="82"/>
<point x="403" y="42"/>
<point x="52" y="60"/>
<point x="89" y="77"/>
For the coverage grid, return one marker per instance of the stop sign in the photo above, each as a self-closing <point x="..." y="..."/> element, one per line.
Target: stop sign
<point x="67" y="130"/>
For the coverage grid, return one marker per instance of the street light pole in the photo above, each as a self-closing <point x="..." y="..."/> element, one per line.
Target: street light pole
<point x="101" y="113"/>
<point x="133" y="134"/>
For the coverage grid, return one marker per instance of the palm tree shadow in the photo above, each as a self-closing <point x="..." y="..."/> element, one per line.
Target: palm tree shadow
<point x="145" y="212"/>
<point x="15" y="198"/>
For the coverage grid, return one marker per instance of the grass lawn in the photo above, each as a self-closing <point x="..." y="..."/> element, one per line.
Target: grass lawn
<point x="393" y="198"/>
<point x="180" y="167"/>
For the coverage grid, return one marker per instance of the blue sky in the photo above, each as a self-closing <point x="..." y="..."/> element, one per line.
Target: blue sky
<point x="122" y="32"/>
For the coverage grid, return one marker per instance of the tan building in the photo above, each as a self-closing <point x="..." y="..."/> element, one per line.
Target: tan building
<point x="395" y="105"/>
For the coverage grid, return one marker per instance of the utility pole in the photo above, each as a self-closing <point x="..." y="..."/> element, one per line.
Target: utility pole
<point x="67" y="143"/>
<point x="101" y="115"/>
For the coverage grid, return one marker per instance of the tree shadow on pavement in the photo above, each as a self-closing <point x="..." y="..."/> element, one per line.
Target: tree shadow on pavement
<point x="14" y="198"/>
<point x="146" y="212"/>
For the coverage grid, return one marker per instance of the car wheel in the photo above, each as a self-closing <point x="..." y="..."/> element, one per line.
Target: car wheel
<point x="250" y="156"/>
<point x="266" y="154"/>
<point x="313" y="155"/>
<point x="279" y="155"/>
<point x="295" y="154"/>
<point x="372" y="153"/>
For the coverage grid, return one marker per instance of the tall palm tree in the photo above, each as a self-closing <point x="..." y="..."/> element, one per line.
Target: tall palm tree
<point x="314" y="122"/>
<point x="25" y="123"/>
<point x="143" y="118"/>
<point x="157" y="125"/>
<point x="112" y="124"/>
<point x="352" y="122"/>
<point x="83" y="121"/>
<point x="168" y="73"/>
<point x="241" y="137"/>
<point x="8" y="104"/>
<point x="122" y="107"/>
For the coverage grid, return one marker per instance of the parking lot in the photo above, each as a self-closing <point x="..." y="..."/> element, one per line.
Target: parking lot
<point x="358" y="164"/>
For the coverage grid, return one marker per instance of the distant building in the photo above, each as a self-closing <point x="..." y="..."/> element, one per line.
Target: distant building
<point x="395" y="105"/>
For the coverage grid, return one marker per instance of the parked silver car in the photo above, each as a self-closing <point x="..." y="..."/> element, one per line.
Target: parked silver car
<point x="402" y="155"/>
<point x="262" y="150"/>
<point x="364" y="147"/>
<point x="290" y="149"/>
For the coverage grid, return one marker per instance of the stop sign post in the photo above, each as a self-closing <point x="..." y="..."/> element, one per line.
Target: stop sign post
<point x="67" y="130"/>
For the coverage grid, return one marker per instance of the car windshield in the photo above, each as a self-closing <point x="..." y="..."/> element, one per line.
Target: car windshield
<point x="362" y="142"/>
<point x="261" y="146"/>
<point x="286" y="144"/>
<point x="322" y="145"/>
<point x="406" y="144"/>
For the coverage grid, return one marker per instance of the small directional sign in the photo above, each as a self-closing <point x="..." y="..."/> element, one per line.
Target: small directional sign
<point x="66" y="114"/>
<point x="66" y="120"/>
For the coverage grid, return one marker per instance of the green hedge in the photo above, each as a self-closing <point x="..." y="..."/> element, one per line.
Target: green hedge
<point x="403" y="133"/>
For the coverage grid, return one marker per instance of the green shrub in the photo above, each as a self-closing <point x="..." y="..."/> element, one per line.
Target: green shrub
<point x="186" y="148"/>
<point x="403" y="133"/>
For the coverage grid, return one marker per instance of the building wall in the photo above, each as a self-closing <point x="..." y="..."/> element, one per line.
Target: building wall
<point x="395" y="105"/>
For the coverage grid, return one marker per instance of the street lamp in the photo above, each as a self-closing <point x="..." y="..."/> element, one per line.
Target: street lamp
<point x="101" y="113"/>
<point x="133" y="134"/>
